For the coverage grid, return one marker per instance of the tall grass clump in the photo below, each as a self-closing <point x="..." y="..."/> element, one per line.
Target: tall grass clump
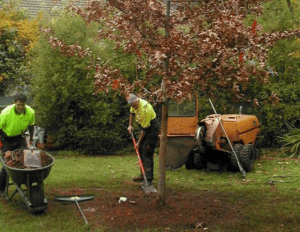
<point x="291" y="141"/>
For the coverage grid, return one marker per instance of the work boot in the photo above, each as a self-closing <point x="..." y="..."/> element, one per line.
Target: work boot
<point x="139" y="178"/>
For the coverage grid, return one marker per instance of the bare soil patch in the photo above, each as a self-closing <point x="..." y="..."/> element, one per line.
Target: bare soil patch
<point x="182" y="211"/>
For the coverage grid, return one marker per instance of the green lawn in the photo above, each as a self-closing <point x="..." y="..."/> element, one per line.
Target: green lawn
<point x="267" y="199"/>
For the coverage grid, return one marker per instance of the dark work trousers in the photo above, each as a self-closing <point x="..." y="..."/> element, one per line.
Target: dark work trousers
<point x="10" y="144"/>
<point x="147" y="147"/>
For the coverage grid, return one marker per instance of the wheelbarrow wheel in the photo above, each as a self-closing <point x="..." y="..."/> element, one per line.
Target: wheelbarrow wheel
<point x="36" y="196"/>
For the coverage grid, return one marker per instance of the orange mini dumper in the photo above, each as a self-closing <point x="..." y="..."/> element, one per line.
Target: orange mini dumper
<point x="218" y="142"/>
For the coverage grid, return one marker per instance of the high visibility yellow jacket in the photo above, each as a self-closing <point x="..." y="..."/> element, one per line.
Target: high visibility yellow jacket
<point x="144" y="114"/>
<point x="16" y="124"/>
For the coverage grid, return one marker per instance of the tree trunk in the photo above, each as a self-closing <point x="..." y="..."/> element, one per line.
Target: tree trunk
<point x="289" y="5"/>
<point x="162" y="154"/>
<point x="164" y="123"/>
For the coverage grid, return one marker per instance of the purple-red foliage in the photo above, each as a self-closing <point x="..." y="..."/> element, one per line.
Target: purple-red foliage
<point x="208" y="45"/>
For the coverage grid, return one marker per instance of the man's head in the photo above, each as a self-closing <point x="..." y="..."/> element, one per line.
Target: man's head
<point x="133" y="100"/>
<point x="20" y="97"/>
<point x="20" y="100"/>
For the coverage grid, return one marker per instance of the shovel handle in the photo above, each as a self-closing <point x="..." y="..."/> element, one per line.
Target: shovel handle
<point x="139" y="157"/>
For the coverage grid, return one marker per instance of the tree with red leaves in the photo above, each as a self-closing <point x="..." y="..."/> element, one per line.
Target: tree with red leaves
<point x="180" y="47"/>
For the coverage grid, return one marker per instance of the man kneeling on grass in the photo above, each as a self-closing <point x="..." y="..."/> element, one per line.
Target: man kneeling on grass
<point x="145" y="116"/>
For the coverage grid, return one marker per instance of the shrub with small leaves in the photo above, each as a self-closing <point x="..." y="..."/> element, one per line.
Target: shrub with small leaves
<point x="18" y="34"/>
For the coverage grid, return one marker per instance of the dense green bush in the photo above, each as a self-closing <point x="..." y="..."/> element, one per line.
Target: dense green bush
<point x="285" y="59"/>
<point x="280" y="100"/>
<point x="277" y="16"/>
<point x="275" y="113"/>
<point x="62" y="88"/>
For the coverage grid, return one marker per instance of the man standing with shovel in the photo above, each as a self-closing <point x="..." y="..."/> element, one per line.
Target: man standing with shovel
<point x="15" y="119"/>
<point x="145" y="116"/>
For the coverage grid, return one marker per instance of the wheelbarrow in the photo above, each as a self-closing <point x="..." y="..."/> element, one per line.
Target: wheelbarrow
<point x="29" y="183"/>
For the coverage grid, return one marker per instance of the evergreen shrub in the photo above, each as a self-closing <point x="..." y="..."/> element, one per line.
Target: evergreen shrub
<point x="63" y="87"/>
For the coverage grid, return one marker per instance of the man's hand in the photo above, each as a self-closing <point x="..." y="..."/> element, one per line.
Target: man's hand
<point x="130" y="129"/>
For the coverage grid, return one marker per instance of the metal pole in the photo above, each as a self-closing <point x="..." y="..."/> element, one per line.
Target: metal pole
<point x="86" y="222"/>
<point x="238" y="162"/>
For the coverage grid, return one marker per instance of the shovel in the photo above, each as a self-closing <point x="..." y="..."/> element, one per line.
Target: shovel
<point x="31" y="156"/>
<point x="146" y="187"/>
<point x="75" y="199"/>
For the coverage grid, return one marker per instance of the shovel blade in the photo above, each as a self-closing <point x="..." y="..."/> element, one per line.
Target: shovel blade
<point x="149" y="189"/>
<point x="32" y="158"/>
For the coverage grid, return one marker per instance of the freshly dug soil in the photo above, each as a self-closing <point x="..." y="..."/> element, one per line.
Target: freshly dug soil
<point x="183" y="211"/>
<point x="15" y="159"/>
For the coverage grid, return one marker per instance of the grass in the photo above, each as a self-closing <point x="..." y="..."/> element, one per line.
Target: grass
<point x="267" y="199"/>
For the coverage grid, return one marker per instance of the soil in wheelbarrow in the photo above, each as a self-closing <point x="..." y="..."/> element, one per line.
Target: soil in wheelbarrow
<point x="15" y="159"/>
<point x="182" y="211"/>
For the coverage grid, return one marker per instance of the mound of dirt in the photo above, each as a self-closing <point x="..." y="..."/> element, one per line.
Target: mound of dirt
<point x="15" y="159"/>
